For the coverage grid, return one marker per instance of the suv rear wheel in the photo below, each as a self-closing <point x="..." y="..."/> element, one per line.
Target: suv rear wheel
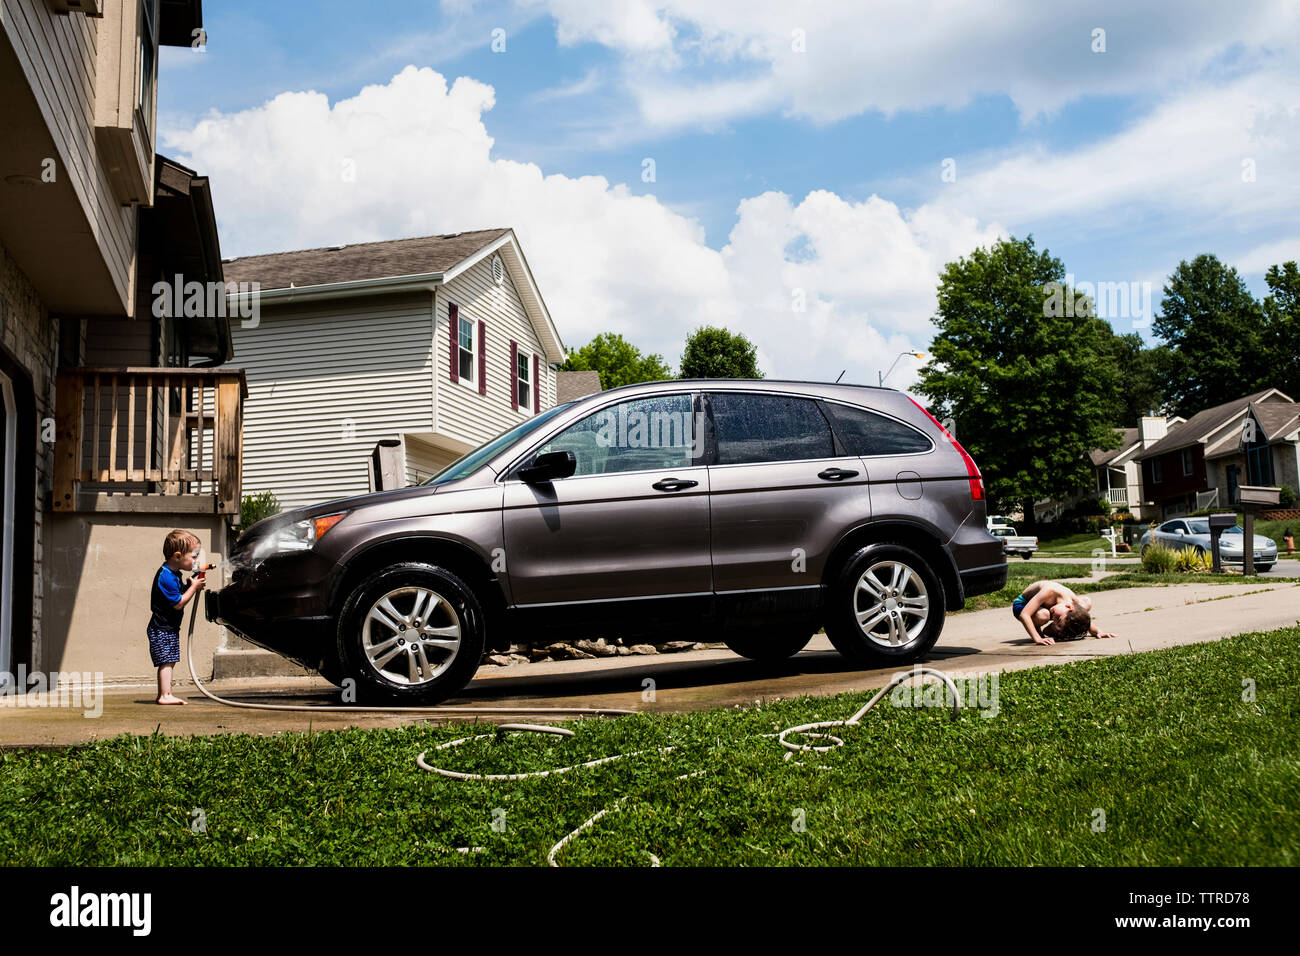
<point x="885" y="607"/>
<point x="411" y="634"/>
<point x="769" y="646"/>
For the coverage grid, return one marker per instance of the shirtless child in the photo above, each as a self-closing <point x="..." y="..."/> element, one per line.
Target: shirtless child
<point x="1057" y="611"/>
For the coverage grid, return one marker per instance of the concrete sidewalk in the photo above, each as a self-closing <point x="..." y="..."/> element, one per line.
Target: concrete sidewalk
<point x="976" y="642"/>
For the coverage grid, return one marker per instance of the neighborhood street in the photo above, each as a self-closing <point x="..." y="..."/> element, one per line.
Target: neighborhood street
<point x="983" y="641"/>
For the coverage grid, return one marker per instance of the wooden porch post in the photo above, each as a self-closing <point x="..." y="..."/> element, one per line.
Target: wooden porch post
<point x="69" y="397"/>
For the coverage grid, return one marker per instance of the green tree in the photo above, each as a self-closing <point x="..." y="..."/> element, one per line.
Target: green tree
<point x="618" y="361"/>
<point x="1025" y="380"/>
<point x="1142" y="375"/>
<point x="716" y="353"/>
<point x="1282" y="329"/>
<point x="1212" y="324"/>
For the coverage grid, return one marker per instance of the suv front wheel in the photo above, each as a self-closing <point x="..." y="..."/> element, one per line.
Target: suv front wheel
<point x="411" y="634"/>
<point x="885" y="607"/>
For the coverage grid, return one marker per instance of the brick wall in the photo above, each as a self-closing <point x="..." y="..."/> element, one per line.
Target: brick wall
<point x="31" y="338"/>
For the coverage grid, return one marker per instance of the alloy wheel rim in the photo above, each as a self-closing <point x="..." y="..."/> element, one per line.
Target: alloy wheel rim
<point x="891" y="604"/>
<point x="411" y="636"/>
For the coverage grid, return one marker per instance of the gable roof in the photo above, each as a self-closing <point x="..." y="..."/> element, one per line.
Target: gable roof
<point x="1127" y="438"/>
<point x="395" y="265"/>
<point x="1204" y="423"/>
<point x="328" y="265"/>
<point x="1276" y="421"/>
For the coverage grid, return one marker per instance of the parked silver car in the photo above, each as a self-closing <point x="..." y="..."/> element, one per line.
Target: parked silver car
<point x="752" y="512"/>
<point x="1194" y="533"/>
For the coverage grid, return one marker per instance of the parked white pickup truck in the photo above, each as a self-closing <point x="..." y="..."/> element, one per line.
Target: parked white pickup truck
<point x="1013" y="543"/>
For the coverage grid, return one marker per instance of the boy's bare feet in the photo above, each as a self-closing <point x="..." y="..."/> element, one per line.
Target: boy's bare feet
<point x="171" y="699"/>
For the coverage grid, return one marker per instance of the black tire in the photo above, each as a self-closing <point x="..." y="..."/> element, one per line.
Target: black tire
<point x="1026" y="556"/>
<point x="403" y="678"/>
<point x="768" y="646"/>
<point x="844" y="606"/>
<point x="1262" y="568"/>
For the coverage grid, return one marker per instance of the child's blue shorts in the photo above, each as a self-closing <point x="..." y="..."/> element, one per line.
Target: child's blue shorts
<point x="1018" y="605"/>
<point x="164" y="645"/>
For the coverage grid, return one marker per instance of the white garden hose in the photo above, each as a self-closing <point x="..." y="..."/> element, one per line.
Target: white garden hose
<point x="808" y="730"/>
<point x="811" y="730"/>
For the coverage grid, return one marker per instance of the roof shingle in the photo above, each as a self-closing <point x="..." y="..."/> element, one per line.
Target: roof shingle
<point x="363" y="260"/>
<point x="1202" y="423"/>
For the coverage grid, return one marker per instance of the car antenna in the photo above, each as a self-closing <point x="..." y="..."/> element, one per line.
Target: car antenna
<point x="841" y="375"/>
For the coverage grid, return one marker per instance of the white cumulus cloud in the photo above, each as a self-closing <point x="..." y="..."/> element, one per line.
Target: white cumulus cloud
<point x="820" y="283"/>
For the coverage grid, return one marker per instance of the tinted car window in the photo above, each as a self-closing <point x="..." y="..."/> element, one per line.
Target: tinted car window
<point x="755" y="428"/>
<point x="643" y="435"/>
<point x="866" y="433"/>
<point x="1175" y="526"/>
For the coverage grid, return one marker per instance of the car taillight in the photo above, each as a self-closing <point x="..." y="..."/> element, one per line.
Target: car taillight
<point x="972" y="471"/>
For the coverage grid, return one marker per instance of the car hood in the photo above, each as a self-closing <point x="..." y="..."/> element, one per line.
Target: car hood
<point x="274" y="522"/>
<point x="1237" y="541"/>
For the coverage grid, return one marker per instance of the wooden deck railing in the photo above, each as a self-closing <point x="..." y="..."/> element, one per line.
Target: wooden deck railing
<point x="148" y="439"/>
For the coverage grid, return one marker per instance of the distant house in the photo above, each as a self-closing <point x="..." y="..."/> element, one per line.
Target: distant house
<point x="1170" y="467"/>
<point x="438" y="342"/>
<point x="1203" y="461"/>
<point x="1117" y="476"/>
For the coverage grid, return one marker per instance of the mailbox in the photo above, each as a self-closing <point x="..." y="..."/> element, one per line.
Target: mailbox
<point x="1254" y="498"/>
<point x="1218" y="525"/>
<point x="1260" y="495"/>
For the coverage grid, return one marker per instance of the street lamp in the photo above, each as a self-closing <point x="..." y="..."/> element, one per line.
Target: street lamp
<point x="886" y="375"/>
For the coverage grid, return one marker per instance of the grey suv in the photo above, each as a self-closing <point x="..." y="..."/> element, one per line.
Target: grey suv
<point x="755" y="512"/>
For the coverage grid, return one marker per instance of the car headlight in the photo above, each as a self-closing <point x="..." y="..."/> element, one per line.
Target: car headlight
<point x="299" y="536"/>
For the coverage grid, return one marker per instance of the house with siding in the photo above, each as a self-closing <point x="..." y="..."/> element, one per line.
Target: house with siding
<point x="1201" y="463"/>
<point x="115" y="427"/>
<point x="438" y="343"/>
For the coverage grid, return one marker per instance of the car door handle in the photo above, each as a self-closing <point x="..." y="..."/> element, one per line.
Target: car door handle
<point x="673" y="484"/>
<point x="836" y="474"/>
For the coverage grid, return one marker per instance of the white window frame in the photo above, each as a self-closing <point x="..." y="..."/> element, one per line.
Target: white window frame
<point x="1187" y="461"/>
<point x="523" y="371"/>
<point x="470" y="381"/>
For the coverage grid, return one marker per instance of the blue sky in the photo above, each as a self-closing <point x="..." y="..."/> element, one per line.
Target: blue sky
<point x="771" y="127"/>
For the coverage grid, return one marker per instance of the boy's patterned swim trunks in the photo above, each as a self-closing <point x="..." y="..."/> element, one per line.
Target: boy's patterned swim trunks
<point x="164" y="645"/>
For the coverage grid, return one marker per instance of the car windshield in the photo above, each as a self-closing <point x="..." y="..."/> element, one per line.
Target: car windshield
<point x="470" y="463"/>
<point x="1202" y="526"/>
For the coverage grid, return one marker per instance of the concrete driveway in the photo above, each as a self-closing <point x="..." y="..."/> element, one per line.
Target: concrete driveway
<point x="975" y="642"/>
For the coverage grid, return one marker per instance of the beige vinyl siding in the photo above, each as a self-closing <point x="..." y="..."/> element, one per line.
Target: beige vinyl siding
<point x="424" y="460"/>
<point x="464" y="414"/>
<point x="57" y="54"/>
<point x="326" y="381"/>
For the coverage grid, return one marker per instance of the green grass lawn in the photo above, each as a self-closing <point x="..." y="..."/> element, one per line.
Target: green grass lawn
<point x="1184" y="770"/>
<point x="1075" y="545"/>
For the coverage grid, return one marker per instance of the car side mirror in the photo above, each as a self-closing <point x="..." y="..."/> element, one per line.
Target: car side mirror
<point x="548" y="467"/>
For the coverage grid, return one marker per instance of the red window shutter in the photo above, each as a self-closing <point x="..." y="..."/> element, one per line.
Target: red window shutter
<point x="453" y="323"/>
<point x="482" y="357"/>
<point x="537" y="388"/>
<point x="514" y="375"/>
